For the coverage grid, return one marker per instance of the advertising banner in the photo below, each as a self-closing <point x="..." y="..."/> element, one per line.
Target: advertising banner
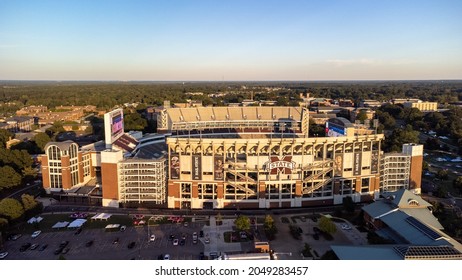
<point x="375" y="162"/>
<point x="218" y="168"/>
<point x="174" y="166"/>
<point x="357" y="164"/>
<point x="338" y="164"/>
<point x="196" y="167"/>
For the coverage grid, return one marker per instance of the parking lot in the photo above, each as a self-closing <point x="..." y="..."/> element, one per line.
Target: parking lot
<point x="104" y="247"/>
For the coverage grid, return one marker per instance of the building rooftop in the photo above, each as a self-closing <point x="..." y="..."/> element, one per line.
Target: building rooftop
<point x="396" y="252"/>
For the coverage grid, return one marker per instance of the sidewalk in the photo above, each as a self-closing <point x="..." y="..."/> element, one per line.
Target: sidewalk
<point x="216" y="235"/>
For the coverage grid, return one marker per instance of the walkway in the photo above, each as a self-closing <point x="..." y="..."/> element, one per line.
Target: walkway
<point x="216" y="235"/>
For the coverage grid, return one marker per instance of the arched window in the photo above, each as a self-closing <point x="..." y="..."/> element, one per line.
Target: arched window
<point x="73" y="151"/>
<point x="413" y="202"/>
<point x="54" y="153"/>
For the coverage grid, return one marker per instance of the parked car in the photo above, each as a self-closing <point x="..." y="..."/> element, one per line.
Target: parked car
<point x="78" y="231"/>
<point x="66" y="250"/>
<point x="207" y="240"/>
<point x="175" y="242"/>
<point x="24" y="247"/>
<point x="36" y="233"/>
<point x="123" y="228"/>
<point x="186" y="224"/>
<point x="171" y="237"/>
<point x="152" y="238"/>
<point x="34" y="246"/>
<point x="116" y="241"/>
<point x="131" y="245"/>
<point x="166" y="257"/>
<point x="15" y="237"/>
<point x="58" y="251"/>
<point x="346" y="227"/>
<point x="63" y="244"/>
<point x="201" y="233"/>
<point x="43" y="247"/>
<point x="182" y="242"/>
<point x="3" y="255"/>
<point x="89" y="243"/>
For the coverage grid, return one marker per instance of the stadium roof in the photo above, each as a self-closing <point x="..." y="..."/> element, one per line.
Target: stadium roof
<point x="234" y="113"/>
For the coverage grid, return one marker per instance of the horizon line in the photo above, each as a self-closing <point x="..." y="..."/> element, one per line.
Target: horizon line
<point x="232" y="81"/>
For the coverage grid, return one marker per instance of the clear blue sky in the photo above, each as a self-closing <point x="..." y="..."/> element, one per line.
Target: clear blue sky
<point x="230" y="40"/>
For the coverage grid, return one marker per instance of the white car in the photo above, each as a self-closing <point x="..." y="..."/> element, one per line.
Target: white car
<point x="175" y="242"/>
<point x="346" y="227"/>
<point x="152" y="238"/>
<point x="3" y="255"/>
<point x="36" y="233"/>
<point x="166" y="257"/>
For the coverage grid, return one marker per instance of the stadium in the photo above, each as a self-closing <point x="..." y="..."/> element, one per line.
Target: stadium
<point x="262" y="157"/>
<point x="235" y="157"/>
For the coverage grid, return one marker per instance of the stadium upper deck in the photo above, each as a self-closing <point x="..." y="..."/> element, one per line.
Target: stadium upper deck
<point x="234" y="120"/>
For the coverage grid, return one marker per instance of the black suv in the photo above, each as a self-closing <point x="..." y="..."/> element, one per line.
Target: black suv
<point x="24" y="247"/>
<point x="63" y="244"/>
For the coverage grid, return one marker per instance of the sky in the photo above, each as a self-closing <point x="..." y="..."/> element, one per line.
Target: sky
<point x="202" y="40"/>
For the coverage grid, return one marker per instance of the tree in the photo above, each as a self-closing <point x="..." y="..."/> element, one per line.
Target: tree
<point x="54" y="130"/>
<point x="41" y="139"/>
<point x="29" y="173"/>
<point x="5" y="135"/>
<point x="362" y="116"/>
<point x="399" y="137"/>
<point x="458" y="183"/>
<point x="134" y="121"/>
<point x="386" y="119"/>
<point x="3" y="225"/>
<point x="11" y="208"/>
<point x="28" y="201"/>
<point x="270" y="228"/>
<point x="326" y="225"/>
<point x="9" y="178"/>
<point x="242" y="223"/>
<point x="442" y="174"/>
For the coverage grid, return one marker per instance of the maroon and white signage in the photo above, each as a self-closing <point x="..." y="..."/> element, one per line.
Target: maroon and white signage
<point x="277" y="165"/>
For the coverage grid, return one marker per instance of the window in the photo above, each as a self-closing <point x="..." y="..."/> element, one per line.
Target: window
<point x="365" y="184"/>
<point x="207" y="191"/>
